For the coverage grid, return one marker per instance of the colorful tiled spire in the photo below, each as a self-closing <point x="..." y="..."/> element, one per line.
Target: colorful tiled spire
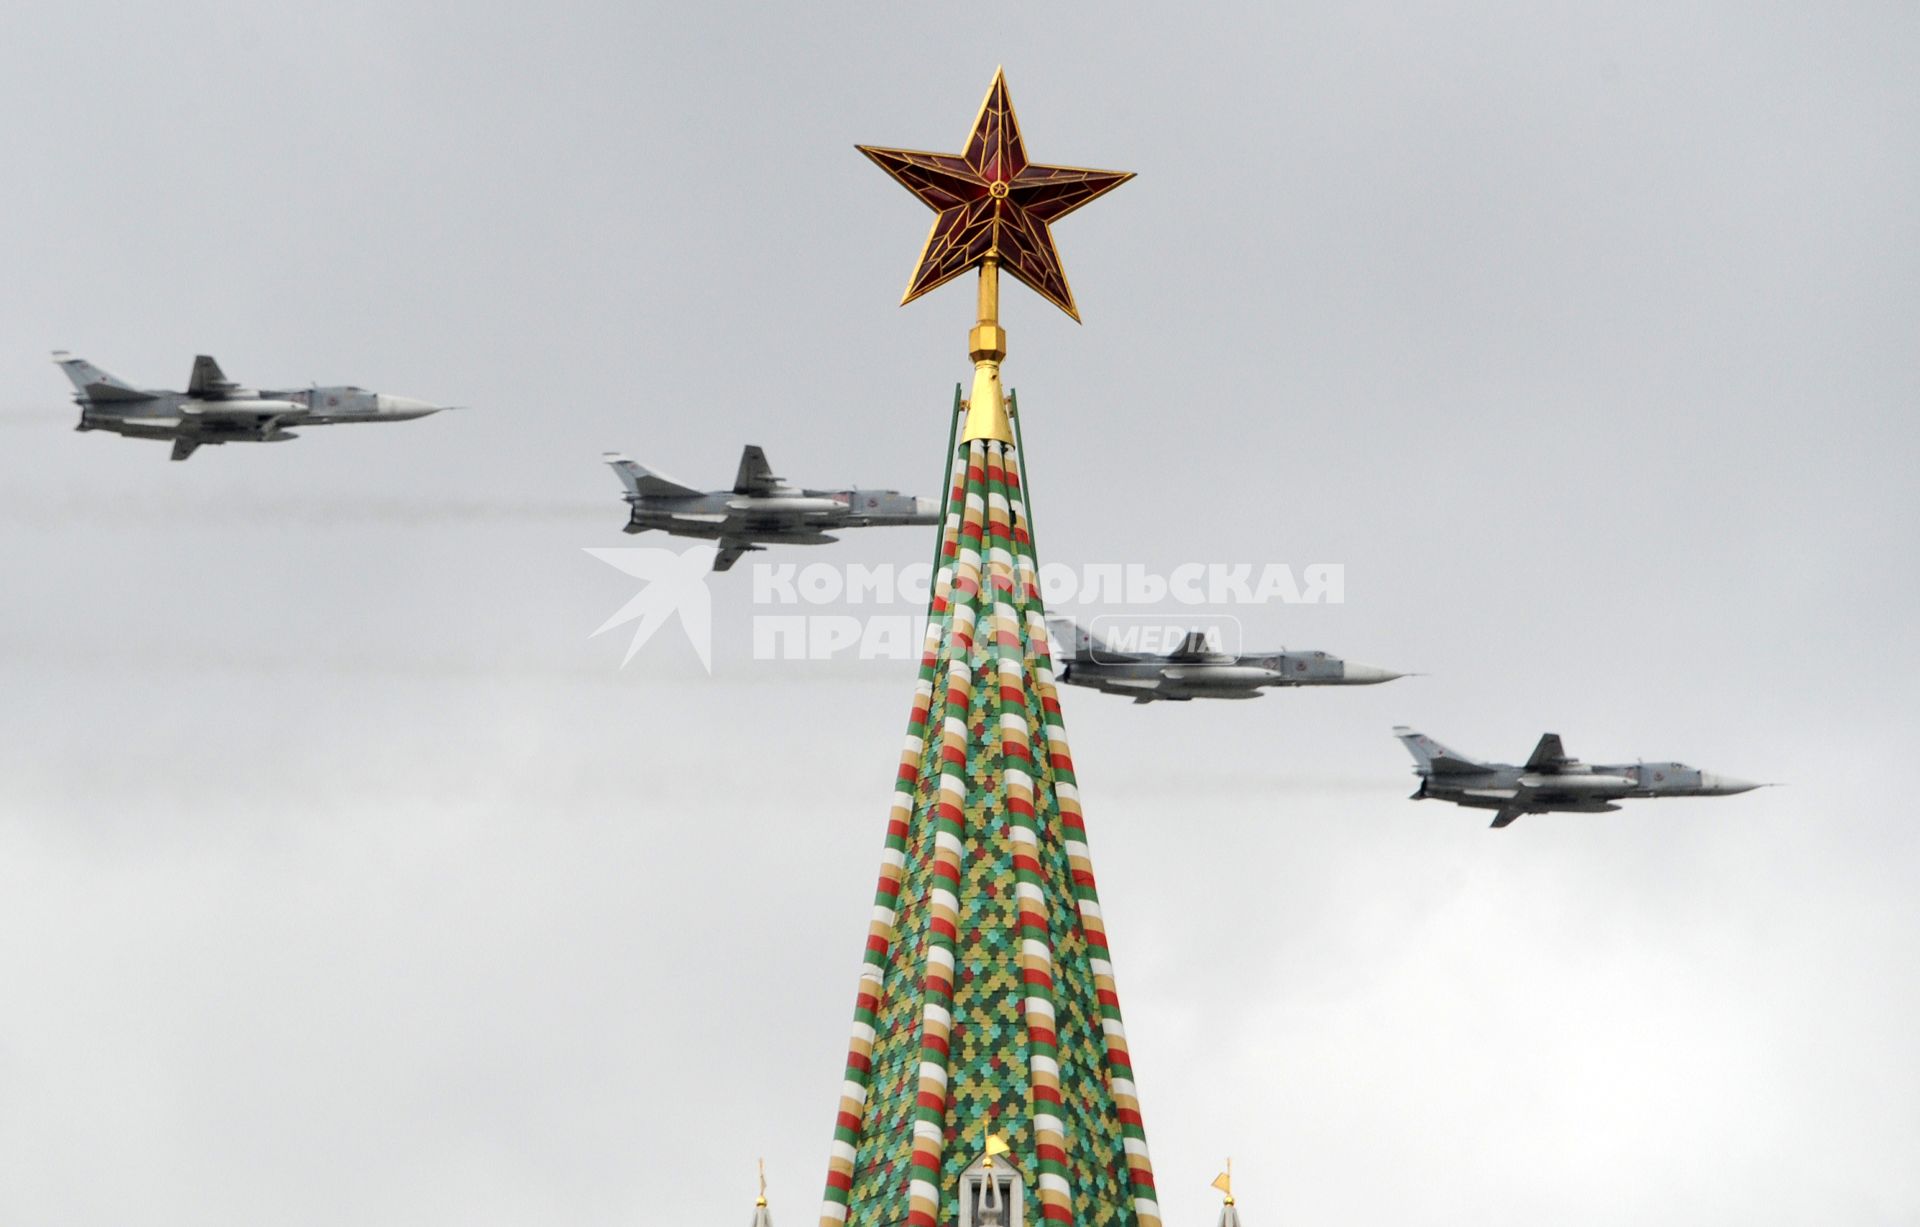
<point x="986" y="1002"/>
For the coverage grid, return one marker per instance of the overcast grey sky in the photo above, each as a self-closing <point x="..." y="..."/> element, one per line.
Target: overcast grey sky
<point x="343" y="878"/>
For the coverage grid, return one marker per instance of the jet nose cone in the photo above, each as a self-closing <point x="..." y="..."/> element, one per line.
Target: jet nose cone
<point x="1724" y="785"/>
<point x="926" y="506"/>
<point x="401" y="407"/>
<point x="1366" y="675"/>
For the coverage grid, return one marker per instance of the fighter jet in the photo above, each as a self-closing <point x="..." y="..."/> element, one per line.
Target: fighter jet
<point x="760" y="510"/>
<point x="1197" y="669"/>
<point x="1552" y="782"/>
<point x="214" y="409"/>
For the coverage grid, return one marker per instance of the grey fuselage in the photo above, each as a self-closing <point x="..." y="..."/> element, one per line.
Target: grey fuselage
<point x="1193" y="672"/>
<point x="760" y="510"/>
<point x="224" y="412"/>
<point x="1552" y="782"/>
<point x="793" y="516"/>
<point x="268" y="412"/>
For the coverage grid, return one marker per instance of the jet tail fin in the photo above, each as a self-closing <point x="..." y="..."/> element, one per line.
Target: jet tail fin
<point x="1079" y="642"/>
<point x="95" y="384"/>
<point x="644" y="483"/>
<point x="1434" y="758"/>
<point x="182" y="448"/>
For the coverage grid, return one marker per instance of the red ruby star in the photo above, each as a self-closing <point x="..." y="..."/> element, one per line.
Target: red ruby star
<point x="992" y="200"/>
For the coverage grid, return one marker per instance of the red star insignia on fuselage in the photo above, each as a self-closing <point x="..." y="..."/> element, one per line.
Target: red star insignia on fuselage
<point x="991" y="199"/>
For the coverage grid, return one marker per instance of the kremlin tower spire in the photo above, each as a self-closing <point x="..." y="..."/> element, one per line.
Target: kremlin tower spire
<point x="988" y="1082"/>
<point x="762" y="1217"/>
<point x="1229" y="1213"/>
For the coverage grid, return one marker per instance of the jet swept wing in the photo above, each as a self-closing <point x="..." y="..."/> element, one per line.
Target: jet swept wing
<point x="755" y="475"/>
<point x="1548" y="755"/>
<point x="208" y="382"/>
<point x="1197" y="646"/>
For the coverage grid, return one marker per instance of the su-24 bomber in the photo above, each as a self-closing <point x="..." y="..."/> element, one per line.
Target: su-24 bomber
<point x="1198" y="669"/>
<point x="215" y="409"/>
<point x="1552" y="781"/>
<point x="760" y="510"/>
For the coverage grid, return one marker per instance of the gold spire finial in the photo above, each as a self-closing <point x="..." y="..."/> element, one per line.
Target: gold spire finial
<point x="1224" y="1181"/>
<point x="996" y="1146"/>
<point x="762" y="1200"/>
<point x="987" y="345"/>
<point x="995" y="208"/>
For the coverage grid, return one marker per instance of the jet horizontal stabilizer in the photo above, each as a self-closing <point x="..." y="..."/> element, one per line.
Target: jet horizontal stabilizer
<point x="108" y="393"/>
<point x="731" y="552"/>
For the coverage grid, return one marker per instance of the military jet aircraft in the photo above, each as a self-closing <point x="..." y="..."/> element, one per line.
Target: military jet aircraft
<point x="214" y="409"/>
<point x="1197" y="669"/>
<point x="1552" y="782"/>
<point x="760" y="510"/>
